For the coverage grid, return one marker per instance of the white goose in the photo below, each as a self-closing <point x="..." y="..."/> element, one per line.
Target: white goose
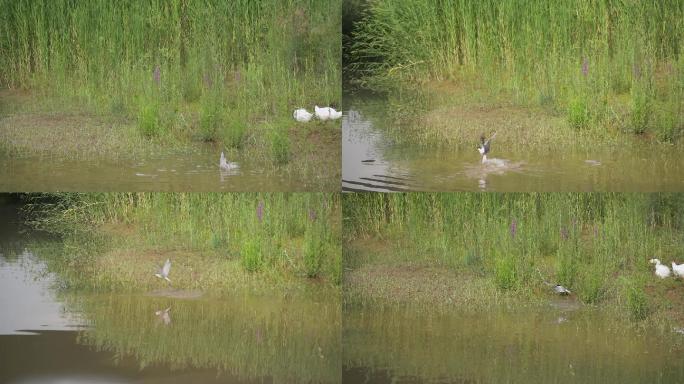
<point x="227" y="165"/>
<point x="302" y="115"/>
<point x="678" y="269"/>
<point x="661" y="271"/>
<point x="334" y="115"/>
<point x="322" y="114"/>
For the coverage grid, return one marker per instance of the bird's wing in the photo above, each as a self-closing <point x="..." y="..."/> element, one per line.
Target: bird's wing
<point x="167" y="267"/>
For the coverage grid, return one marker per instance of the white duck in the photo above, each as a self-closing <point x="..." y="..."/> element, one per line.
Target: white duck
<point x="302" y="115"/>
<point x="322" y="114"/>
<point x="661" y="271"/>
<point x="678" y="269"/>
<point x="227" y="165"/>
<point x="334" y="115"/>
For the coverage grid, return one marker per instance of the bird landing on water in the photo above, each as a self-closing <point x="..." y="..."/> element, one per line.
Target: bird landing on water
<point x="484" y="146"/>
<point x="164" y="271"/>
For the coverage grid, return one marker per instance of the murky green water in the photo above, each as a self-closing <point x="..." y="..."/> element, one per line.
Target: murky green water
<point x="372" y="161"/>
<point x="191" y="172"/>
<point x="50" y="335"/>
<point x="557" y="345"/>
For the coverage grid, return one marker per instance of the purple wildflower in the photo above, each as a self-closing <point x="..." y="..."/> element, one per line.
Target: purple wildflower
<point x="208" y="82"/>
<point x="514" y="228"/>
<point x="585" y="66"/>
<point x="260" y="211"/>
<point x="157" y="75"/>
<point x="312" y="215"/>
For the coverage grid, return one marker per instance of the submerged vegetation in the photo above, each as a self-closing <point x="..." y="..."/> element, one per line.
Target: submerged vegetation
<point x="173" y="72"/>
<point x="605" y="67"/>
<point x="477" y="250"/>
<point x="216" y="242"/>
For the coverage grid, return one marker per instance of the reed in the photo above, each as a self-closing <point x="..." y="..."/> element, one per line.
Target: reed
<point x="605" y="63"/>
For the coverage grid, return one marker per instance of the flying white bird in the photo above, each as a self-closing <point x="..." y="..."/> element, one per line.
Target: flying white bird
<point x="164" y="271"/>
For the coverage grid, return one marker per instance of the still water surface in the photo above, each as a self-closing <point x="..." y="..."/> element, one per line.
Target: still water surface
<point x="372" y="161"/>
<point x="561" y="344"/>
<point x="51" y="335"/>
<point x="182" y="173"/>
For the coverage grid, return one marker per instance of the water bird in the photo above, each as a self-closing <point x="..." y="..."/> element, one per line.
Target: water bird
<point x="484" y="146"/>
<point x="227" y="165"/>
<point x="302" y="115"/>
<point x="561" y="290"/>
<point x="164" y="271"/>
<point x="322" y="114"/>
<point x="164" y="315"/>
<point x="661" y="271"/>
<point x="678" y="269"/>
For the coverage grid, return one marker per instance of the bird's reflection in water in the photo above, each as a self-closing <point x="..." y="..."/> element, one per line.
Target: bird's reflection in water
<point x="163" y="316"/>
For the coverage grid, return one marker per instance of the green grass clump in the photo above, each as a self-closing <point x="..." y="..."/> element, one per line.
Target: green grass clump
<point x="637" y="302"/>
<point x="578" y="113"/>
<point x="313" y="249"/>
<point x="251" y="257"/>
<point x="280" y="146"/>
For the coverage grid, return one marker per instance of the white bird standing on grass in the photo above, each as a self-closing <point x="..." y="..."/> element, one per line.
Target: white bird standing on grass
<point x="678" y="269"/>
<point x="322" y="114"/>
<point x="164" y="271"/>
<point x="227" y="165"/>
<point x="334" y="115"/>
<point x="302" y="115"/>
<point x="661" y="271"/>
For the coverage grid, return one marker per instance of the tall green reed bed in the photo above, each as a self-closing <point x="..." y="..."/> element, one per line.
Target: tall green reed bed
<point x="616" y="65"/>
<point x="219" y="71"/>
<point x="598" y="245"/>
<point x="118" y="240"/>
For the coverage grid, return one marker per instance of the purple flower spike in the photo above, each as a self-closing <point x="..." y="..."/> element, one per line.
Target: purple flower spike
<point x="514" y="228"/>
<point x="585" y="66"/>
<point x="312" y="215"/>
<point x="260" y="211"/>
<point x="208" y="82"/>
<point x="157" y="75"/>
